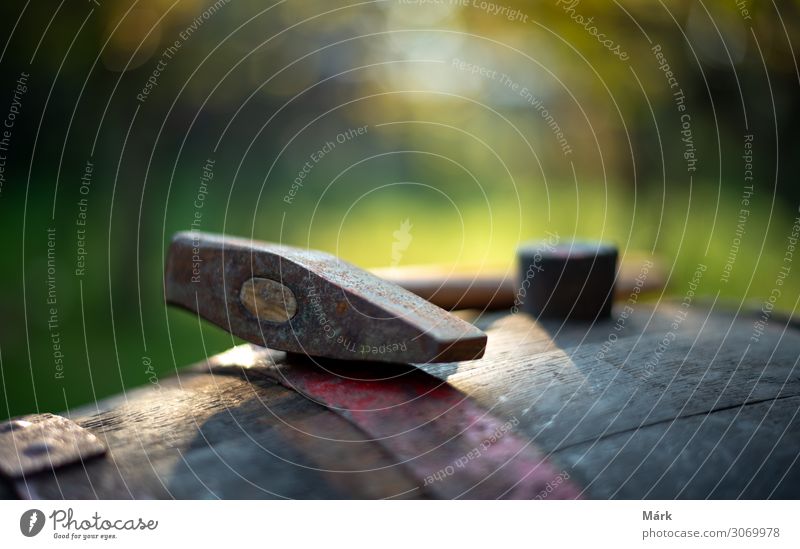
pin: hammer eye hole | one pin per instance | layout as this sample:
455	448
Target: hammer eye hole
268	300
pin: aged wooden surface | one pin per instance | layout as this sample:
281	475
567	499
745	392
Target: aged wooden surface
224	436
715	415
712	412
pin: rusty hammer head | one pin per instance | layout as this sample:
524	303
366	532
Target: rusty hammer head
310	302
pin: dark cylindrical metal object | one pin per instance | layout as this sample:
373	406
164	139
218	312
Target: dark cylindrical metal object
570	281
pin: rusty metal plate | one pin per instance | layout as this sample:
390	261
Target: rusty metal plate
333	308
40	442
454	448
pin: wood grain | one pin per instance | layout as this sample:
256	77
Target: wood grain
714	414
208	436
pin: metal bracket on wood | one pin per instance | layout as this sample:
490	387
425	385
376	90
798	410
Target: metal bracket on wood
43	442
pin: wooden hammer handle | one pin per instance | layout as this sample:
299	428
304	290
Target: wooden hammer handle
496	289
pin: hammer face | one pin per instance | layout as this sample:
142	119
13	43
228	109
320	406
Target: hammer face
309	302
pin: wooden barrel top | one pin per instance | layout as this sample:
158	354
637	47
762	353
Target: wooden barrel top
661	401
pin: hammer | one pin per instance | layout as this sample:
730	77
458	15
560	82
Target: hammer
313	303
310	302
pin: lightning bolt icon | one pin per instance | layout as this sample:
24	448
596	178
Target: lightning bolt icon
34	519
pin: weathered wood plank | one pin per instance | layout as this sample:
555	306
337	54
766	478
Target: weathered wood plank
570	393
604	409
223	436
584	400
748	452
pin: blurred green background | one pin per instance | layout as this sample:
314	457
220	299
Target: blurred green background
462	105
